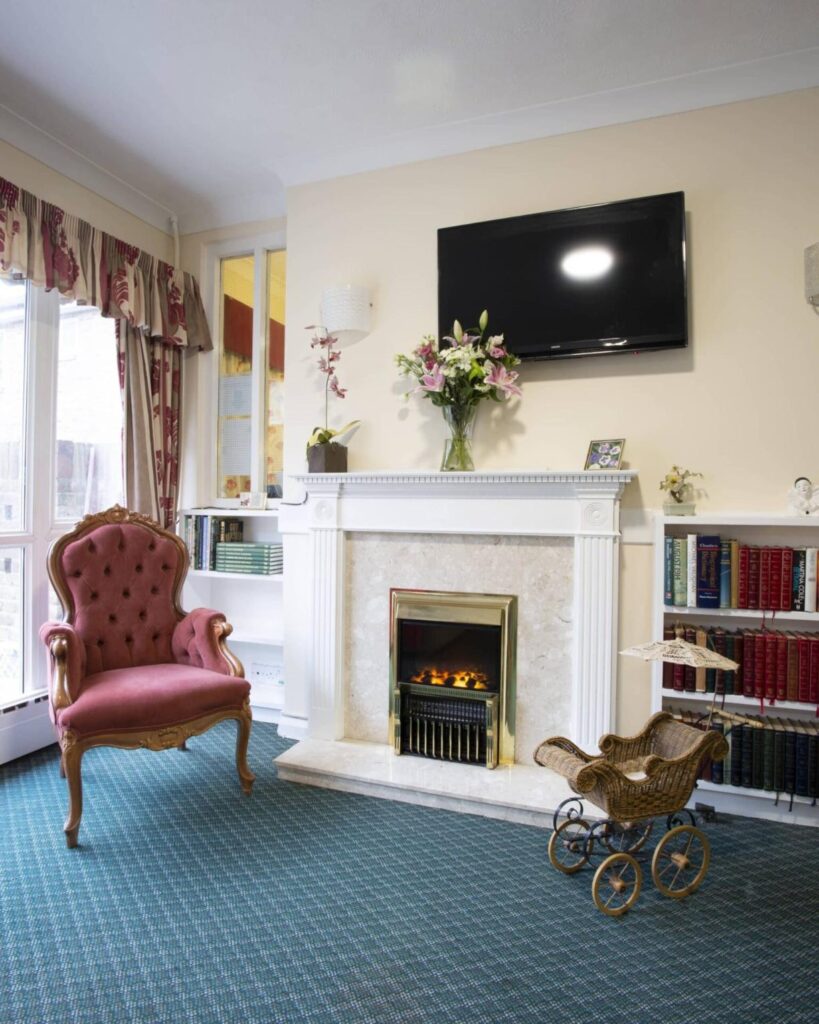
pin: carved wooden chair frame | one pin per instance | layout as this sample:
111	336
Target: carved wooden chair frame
73	746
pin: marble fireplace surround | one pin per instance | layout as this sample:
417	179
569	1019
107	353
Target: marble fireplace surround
550	537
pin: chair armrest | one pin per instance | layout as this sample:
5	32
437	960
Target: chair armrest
568	760
67	661
199	639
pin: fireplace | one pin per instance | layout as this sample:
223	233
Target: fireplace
452	667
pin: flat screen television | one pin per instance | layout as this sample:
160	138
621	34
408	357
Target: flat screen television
594	280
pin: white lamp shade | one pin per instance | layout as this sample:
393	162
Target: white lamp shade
346	308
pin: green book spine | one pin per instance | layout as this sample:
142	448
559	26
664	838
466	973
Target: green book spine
680	572
736	754
779	761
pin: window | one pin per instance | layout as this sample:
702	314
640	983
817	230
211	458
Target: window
88	452
250	418
60	456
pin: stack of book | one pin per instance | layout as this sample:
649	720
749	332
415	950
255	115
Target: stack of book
708	571
202	533
780	757
773	664
252	558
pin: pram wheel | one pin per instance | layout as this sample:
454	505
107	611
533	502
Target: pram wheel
568	847
617	883
681	861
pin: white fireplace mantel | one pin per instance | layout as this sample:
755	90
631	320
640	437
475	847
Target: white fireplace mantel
582	505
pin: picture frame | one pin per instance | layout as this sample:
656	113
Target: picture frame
606	454
252	499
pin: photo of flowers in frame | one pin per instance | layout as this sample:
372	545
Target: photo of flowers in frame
605	454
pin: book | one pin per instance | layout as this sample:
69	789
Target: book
737	736
775	584
743	576
691	571
717	766
725	574
748	666
668	571
699	673
798	588
813	669
680	563
768	759
771	658
757	757
734	545
753	578
792	689
760	667
803	680
781	688
764	578
668	668
810	579
786	582
729	679
718	643
690	677
708	580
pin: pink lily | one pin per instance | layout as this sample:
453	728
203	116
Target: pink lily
502	380
434	380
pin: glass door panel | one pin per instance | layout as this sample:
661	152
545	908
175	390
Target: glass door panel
235	377
88	454
12	405
274	370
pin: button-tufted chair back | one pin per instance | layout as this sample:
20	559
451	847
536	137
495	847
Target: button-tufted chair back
119	583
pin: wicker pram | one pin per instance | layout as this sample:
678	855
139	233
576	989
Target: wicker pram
633	779
640	776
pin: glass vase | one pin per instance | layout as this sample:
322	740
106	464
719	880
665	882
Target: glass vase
458	447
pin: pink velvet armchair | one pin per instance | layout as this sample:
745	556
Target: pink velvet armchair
129	667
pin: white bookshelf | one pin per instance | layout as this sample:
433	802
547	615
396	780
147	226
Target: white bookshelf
773	530
252	604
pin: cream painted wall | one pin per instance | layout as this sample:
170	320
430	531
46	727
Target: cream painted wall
737	405
48	184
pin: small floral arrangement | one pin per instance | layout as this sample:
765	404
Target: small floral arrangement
328	358
678	483
469	368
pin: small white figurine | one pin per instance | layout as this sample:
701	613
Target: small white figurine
802	497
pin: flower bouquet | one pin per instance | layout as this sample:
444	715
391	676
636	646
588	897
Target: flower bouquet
677	482
469	368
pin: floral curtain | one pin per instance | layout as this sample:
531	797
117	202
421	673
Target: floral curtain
53	249
159	313
150	376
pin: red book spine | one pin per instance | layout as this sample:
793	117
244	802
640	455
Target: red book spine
742	585
813	678
781	666
668	668
771	665
678	679
786	592
793	667
759	664
804	667
753	578
775	586
764	578
718	641
748	667
690	677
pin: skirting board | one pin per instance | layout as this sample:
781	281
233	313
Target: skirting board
24	730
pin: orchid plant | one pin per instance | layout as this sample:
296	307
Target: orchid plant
328	357
678	483
469	368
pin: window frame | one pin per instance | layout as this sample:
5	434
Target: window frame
40	526
257	246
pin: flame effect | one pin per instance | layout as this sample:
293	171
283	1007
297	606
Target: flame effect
464	679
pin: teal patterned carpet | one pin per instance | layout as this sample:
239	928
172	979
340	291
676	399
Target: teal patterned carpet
188	903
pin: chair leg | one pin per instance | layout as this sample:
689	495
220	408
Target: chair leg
71	760
182	746
246	776
62	767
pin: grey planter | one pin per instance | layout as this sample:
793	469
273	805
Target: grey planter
327	458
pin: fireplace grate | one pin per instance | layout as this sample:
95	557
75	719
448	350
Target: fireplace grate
446	728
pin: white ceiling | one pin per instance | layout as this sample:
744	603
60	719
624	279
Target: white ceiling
209	108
